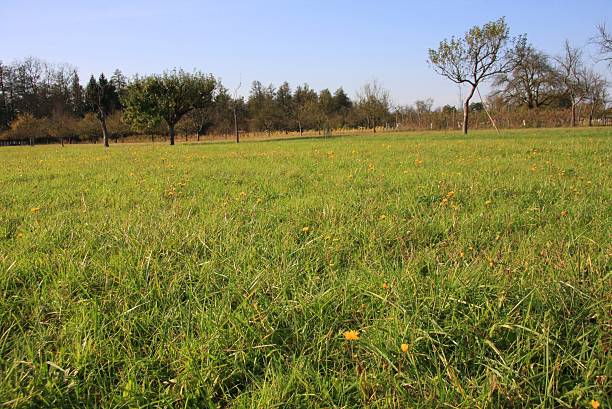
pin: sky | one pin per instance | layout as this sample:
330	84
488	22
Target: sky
327	44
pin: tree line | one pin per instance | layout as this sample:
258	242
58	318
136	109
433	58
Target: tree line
43	101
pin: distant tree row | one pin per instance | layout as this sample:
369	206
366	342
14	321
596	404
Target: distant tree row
521	75
39	100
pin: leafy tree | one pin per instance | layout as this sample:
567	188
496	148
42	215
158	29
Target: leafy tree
102	99
482	53
120	82
262	107
167	97
285	107
342	106
78	106
306	106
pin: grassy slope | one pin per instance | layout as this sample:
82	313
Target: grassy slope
185	276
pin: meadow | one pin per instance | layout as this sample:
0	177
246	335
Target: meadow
388	270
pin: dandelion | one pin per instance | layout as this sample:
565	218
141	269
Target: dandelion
404	348
450	194
385	286
19	235
418	162
243	194
564	213
35	209
305	229
595	404
351	335
382	217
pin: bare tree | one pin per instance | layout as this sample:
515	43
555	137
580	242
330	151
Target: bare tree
531	83
572	74
603	39
373	102
596	92
482	53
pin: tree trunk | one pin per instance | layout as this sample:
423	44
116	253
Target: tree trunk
591	112
104	131
198	135
171	129
236	125
301	130
466	110
573	119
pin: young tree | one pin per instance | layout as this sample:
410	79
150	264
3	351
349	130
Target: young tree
483	52
572	74
102	99
167	97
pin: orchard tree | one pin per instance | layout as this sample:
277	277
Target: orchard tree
573	77
373	103
604	41
482	53
102	99
167	97
531	83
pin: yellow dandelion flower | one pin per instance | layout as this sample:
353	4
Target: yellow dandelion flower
19	235
305	229
382	217
450	194
595	404
35	209
351	335
404	348
564	213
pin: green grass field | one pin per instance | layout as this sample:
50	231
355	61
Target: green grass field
223	275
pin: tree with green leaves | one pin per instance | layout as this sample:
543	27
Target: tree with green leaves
167	97
481	54
102	99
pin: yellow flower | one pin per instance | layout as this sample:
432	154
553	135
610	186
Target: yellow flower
564	213
351	335
595	404
450	194
305	229
404	348
19	235
382	217
385	286
35	209
418	162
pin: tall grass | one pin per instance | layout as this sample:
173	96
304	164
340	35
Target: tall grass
222	275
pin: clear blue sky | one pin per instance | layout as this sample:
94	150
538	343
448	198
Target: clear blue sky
325	43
